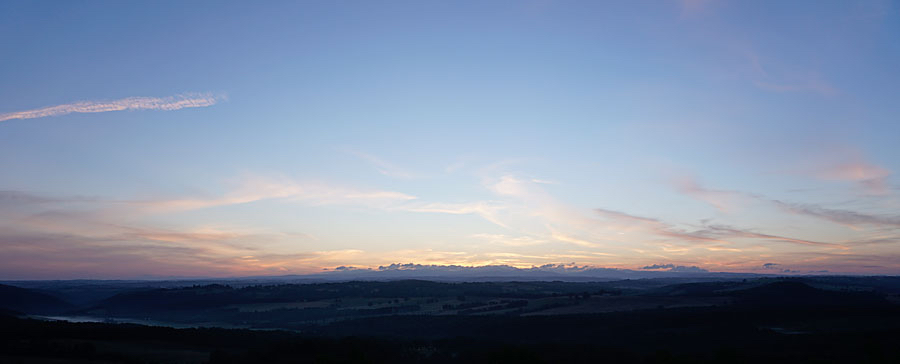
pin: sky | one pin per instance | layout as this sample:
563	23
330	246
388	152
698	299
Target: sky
224	138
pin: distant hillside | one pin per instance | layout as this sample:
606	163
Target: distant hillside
298	306
783	293
792	293
216	295
27	301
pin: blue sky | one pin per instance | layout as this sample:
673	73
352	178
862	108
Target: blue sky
233	138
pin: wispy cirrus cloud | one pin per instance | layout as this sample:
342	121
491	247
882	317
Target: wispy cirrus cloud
257	188
66	243
718	235
728	231
489	210
11	198
506	240
722	200
142	252
844	163
248	189
810	83
524	207
382	166
848	218
725	200
169	103
559	236
659	228
535	213
872	178
770	76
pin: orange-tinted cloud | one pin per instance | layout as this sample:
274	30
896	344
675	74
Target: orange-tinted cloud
256	188
722	200
872	178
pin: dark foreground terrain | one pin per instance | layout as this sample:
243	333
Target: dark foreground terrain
797	320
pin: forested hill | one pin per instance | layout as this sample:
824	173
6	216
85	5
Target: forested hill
30	301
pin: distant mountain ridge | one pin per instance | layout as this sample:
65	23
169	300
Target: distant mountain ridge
453	273
504	272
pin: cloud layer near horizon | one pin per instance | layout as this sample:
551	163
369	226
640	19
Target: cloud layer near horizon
169	103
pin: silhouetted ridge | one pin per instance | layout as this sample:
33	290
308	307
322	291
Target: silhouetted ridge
792	293
28	301
197	297
702	289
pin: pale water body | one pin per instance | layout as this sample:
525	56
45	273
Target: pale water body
146	322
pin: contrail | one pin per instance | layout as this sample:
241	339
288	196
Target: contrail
132	103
